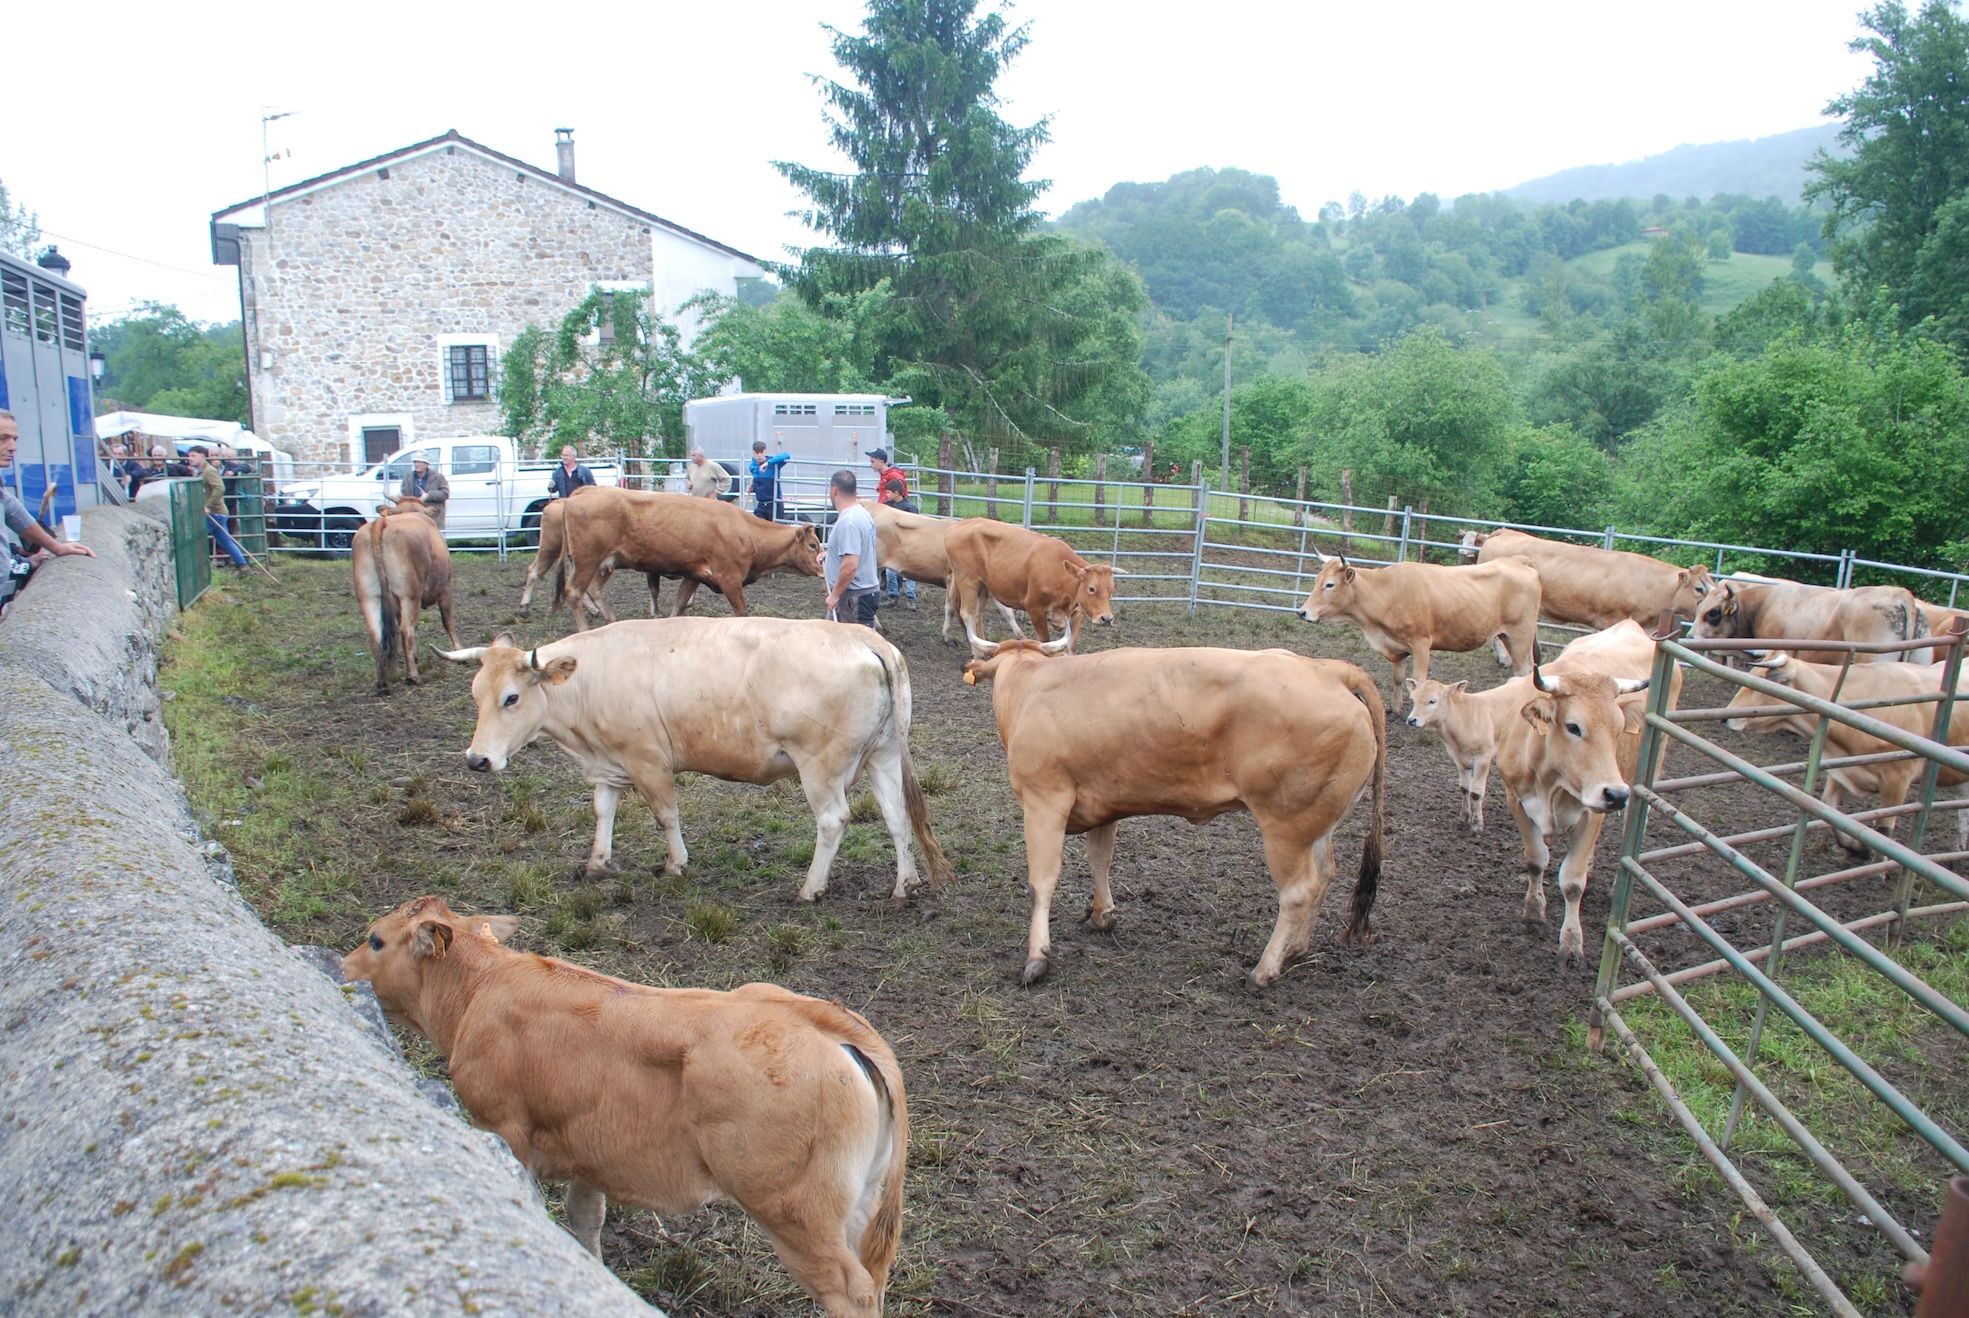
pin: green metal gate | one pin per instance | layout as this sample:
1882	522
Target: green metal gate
191	543
1902	869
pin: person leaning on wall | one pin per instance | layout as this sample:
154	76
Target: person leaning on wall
21	522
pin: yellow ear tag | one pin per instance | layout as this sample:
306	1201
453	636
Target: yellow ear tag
970	679
485	930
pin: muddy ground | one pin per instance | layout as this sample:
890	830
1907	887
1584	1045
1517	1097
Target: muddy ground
1414	1127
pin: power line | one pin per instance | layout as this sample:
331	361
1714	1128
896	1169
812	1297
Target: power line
143	260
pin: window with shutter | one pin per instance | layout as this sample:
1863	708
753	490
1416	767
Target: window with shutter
468	372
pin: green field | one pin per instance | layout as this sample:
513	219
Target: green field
1725	284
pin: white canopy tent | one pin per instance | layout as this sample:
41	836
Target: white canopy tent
194	430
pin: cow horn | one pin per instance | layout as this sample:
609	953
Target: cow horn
469	656
1627	686
1343	558
1538	678
533	659
983	649
1057	644
1766	658
1320	556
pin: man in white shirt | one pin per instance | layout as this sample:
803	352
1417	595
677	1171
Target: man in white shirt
706	479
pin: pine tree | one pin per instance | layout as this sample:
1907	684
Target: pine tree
986	319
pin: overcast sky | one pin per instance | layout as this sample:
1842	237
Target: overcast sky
142	119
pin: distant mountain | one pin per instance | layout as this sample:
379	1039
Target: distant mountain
1763	167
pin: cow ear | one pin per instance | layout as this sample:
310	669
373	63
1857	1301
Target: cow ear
1460	687
498	927
558	671
1541	714
1079	571
1409	685
1632	716
430	939
1349	573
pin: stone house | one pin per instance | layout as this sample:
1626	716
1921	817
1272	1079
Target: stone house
376	298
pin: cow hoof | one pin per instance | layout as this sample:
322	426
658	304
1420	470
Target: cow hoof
1034	972
1257	982
413	681
811	897
1101	920
382	689
593	871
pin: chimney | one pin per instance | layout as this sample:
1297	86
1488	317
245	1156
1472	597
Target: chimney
564	152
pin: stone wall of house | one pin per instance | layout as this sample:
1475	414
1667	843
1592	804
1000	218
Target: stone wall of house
358	281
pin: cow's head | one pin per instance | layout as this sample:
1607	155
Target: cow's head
1469	543
1579	719
1777	667
1093	591
798	551
987	659
1720	614
1429	701
1692	585
402	946
510	690
1333	589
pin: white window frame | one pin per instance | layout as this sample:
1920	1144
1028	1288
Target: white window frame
405	423
490	342
593	338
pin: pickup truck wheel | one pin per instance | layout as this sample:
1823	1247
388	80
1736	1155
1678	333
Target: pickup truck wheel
340	533
530	526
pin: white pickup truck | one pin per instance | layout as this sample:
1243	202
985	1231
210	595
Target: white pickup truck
493	493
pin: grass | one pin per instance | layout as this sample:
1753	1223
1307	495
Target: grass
1725	284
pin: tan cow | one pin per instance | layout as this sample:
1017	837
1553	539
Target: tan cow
1566	761
551	559
1782	610
1585	586
1939	620
1891	782
748	700
1472	724
703	541
913	544
1023	569
1091	740
401	568
790	1107
1410	610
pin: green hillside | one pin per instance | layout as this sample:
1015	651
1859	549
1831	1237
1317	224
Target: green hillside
1761	167
1725	284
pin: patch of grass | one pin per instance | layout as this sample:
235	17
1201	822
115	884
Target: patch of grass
862	809
935	778
711	921
784	945
419	810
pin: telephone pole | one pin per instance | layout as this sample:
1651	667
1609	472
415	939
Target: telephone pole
1224	474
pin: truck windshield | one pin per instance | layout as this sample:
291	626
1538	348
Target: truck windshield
399	466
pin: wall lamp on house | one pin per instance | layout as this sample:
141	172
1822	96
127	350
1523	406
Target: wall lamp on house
98	364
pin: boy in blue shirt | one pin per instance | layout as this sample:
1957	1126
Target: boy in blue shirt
764	472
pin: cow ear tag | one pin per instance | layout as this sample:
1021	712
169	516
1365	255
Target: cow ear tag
970	679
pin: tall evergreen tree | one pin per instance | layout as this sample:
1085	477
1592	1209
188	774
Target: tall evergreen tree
985	318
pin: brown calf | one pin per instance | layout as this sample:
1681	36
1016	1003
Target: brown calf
790	1107
1091	740
401	568
1023	569
703	541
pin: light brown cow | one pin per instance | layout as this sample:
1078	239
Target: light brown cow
1023	569
1889	782
913	544
790	1107
1410	610
1472	724
749	700
703	541
1585	586
401	568
552	559
1566	761
1782	610
1939	620
1094	739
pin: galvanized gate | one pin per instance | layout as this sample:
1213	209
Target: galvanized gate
191	552
1630	969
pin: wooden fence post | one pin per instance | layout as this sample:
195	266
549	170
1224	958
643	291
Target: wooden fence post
1422	532
1388	522
1347	510
946	482
1053	486
1299	495
991	484
1100	487
1244	483
1148	482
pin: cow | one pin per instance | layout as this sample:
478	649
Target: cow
401	568
788	1106
1775	610
1889	782
913	544
1409	610
1472	724
1023	569
1939	621
1091	740
748	700
1566	761
551	558
1585	586
704	541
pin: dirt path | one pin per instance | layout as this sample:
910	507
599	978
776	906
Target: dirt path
1411	1128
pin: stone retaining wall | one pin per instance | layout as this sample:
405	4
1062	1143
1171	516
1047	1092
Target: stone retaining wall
192	1119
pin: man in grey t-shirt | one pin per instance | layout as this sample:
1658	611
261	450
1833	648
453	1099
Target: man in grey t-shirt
33	536
848	564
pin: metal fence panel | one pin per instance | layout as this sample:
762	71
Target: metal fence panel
191	542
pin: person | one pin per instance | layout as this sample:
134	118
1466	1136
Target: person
423	485
207	470
568	477
892	488
848	562
764	472
706	479
14	570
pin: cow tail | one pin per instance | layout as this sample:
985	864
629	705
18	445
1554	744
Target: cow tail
881	1239
1359	929
912	790
1916	629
